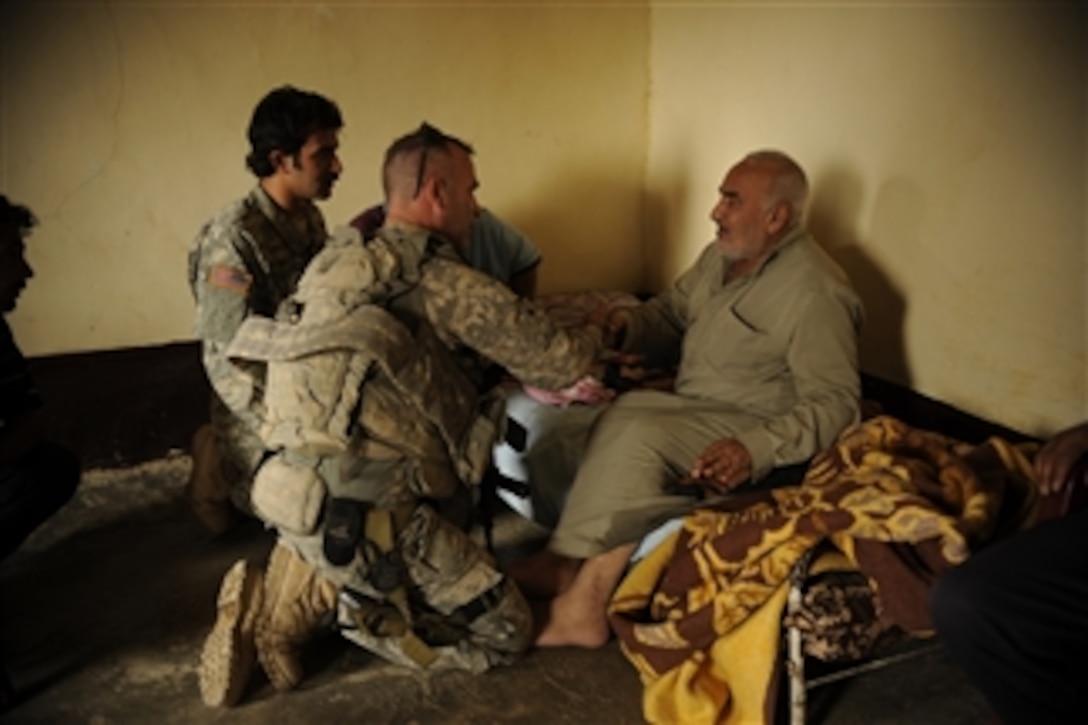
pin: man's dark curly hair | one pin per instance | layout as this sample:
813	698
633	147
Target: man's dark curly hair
283	120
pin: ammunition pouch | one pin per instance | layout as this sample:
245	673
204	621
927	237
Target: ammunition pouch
288	494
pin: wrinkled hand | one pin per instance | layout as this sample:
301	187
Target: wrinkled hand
724	465
626	360
1056	460
603	314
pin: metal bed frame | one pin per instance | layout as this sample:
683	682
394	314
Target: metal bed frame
795	657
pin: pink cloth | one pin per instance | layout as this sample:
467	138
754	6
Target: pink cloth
588	390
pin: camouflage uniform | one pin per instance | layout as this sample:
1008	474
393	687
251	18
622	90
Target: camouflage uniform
373	403
246	260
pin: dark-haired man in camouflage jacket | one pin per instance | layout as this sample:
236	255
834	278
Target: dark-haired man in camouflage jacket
246	260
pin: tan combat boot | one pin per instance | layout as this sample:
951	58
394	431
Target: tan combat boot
296	601
208	488
227	659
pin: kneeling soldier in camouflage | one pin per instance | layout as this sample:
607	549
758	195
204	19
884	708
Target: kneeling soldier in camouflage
378	426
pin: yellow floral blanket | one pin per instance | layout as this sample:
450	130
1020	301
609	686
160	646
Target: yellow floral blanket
700	617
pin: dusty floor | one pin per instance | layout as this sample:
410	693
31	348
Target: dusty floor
104	610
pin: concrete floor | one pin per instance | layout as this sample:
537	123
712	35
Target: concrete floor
105	608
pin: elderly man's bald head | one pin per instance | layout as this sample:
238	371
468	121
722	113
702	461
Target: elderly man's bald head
788	183
761	201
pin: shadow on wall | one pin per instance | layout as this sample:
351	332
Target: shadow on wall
593	230
833	217
660	244
672	239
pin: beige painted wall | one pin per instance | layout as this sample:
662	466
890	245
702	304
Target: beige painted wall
123	127
946	146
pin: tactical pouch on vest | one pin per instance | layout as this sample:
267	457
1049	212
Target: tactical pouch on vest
385	567
343	529
288	494
357	526
486	428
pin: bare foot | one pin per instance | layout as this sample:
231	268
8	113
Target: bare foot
567	622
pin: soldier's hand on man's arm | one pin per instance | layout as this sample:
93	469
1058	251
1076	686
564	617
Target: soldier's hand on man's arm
613	323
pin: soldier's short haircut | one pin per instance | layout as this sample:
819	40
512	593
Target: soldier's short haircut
16	215
283	120
412	149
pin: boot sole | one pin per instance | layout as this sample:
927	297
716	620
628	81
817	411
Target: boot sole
229	654
282	676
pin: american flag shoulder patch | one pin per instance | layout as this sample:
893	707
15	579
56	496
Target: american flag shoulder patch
231	279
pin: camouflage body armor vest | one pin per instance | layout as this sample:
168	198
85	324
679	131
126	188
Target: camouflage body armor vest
357	405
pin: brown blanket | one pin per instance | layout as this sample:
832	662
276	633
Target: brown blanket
700	617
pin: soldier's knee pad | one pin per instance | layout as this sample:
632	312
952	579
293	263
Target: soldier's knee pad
448	567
